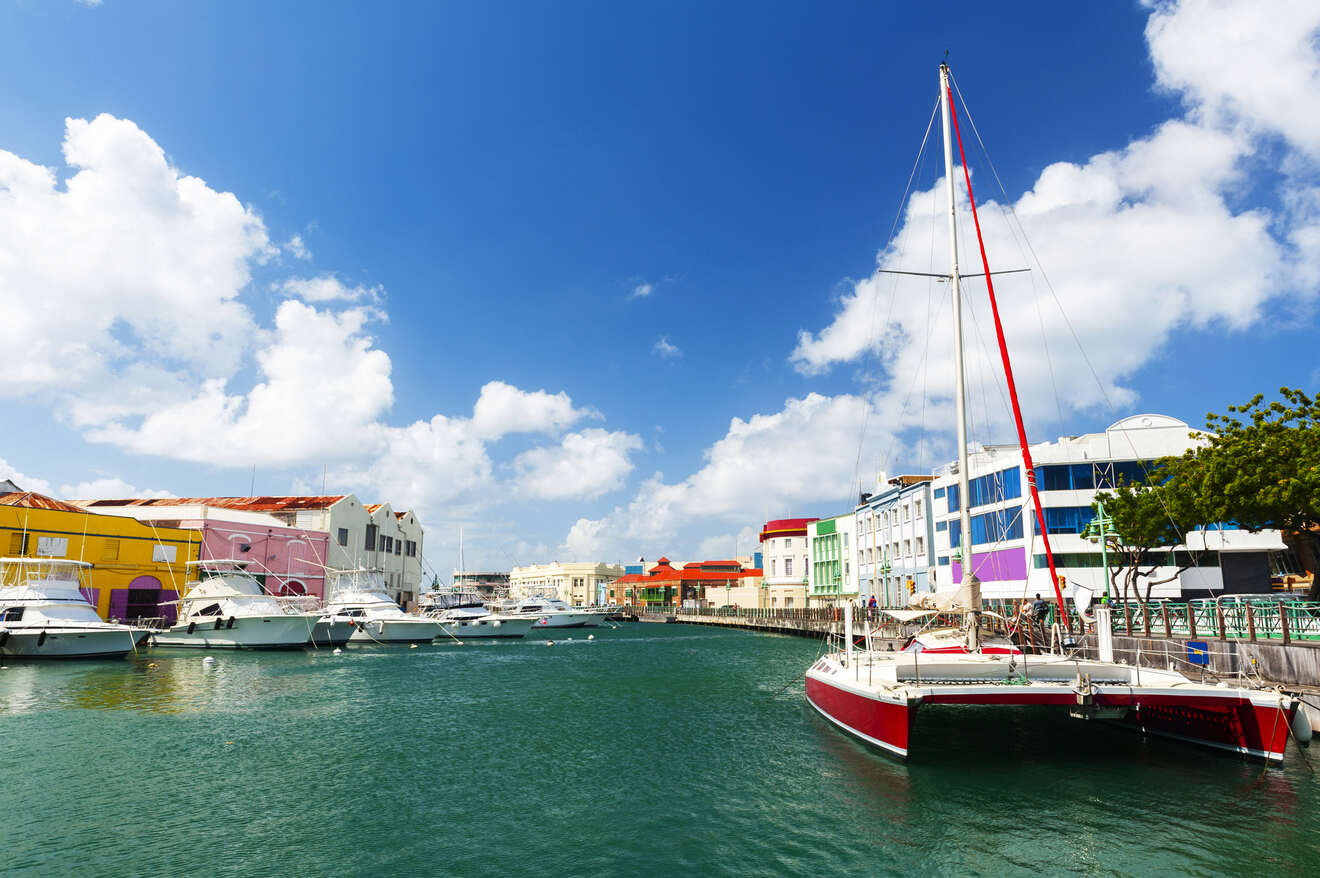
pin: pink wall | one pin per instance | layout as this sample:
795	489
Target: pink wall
286	555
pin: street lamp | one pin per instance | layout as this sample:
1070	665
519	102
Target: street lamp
1099	530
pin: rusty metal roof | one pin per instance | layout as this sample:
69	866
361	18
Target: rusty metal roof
37	501
250	504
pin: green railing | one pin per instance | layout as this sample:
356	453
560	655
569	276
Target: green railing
1243	618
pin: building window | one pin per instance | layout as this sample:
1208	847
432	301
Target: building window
788	566
398	547
18	544
110	551
921	545
343	536
916	508
389	544
370	542
774	562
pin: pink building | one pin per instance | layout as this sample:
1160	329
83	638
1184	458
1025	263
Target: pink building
288	560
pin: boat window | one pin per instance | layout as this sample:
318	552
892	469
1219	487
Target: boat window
13	614
209	610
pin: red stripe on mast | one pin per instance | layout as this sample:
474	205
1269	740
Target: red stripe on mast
1012	387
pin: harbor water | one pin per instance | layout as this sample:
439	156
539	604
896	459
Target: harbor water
650	750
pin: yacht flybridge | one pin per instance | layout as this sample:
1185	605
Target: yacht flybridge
875	695
44	613
361	595
225	607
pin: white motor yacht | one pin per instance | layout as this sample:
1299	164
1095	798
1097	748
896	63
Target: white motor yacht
551	613
44	614
463	615
361	595
225	607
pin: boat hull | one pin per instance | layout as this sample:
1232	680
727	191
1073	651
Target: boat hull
67	643
247	632
395	631
486	628
1253	723
329	633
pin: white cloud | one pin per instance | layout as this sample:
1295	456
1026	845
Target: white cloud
111	488
22	480
723	546
322	387
1249	63
664	349
503	409
297	248
113	267
806	453
641	291
584	465
328	288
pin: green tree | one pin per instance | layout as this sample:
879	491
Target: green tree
1257	466
1261	469
1148	520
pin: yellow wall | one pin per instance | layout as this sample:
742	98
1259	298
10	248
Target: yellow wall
119	549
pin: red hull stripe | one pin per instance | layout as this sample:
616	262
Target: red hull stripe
877	722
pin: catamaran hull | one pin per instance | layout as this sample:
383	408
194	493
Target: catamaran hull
1253	723
66	643
395	631
246	632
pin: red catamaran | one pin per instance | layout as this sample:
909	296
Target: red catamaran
875	695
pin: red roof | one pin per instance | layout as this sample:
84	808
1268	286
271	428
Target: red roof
251	504
786	527
34	500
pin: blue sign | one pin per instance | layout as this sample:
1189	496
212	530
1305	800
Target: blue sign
1198	652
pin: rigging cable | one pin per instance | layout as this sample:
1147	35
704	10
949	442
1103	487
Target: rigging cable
916	165
1008	376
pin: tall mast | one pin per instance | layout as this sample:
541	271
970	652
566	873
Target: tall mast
960	396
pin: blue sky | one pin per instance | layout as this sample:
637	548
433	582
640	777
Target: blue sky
544	270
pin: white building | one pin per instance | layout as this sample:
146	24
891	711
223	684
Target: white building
578	583
832	574
895	540
786	562
1008	553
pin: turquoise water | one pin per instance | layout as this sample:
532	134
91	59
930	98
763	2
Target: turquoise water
651	750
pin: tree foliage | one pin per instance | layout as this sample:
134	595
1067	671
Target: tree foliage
1146	518
1257	466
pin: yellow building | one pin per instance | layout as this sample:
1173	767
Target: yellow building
137	569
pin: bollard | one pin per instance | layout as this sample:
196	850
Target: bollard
1223	630
1251	624
1283	624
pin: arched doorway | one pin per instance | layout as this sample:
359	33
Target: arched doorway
141	600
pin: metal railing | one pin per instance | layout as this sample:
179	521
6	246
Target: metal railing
1237	617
